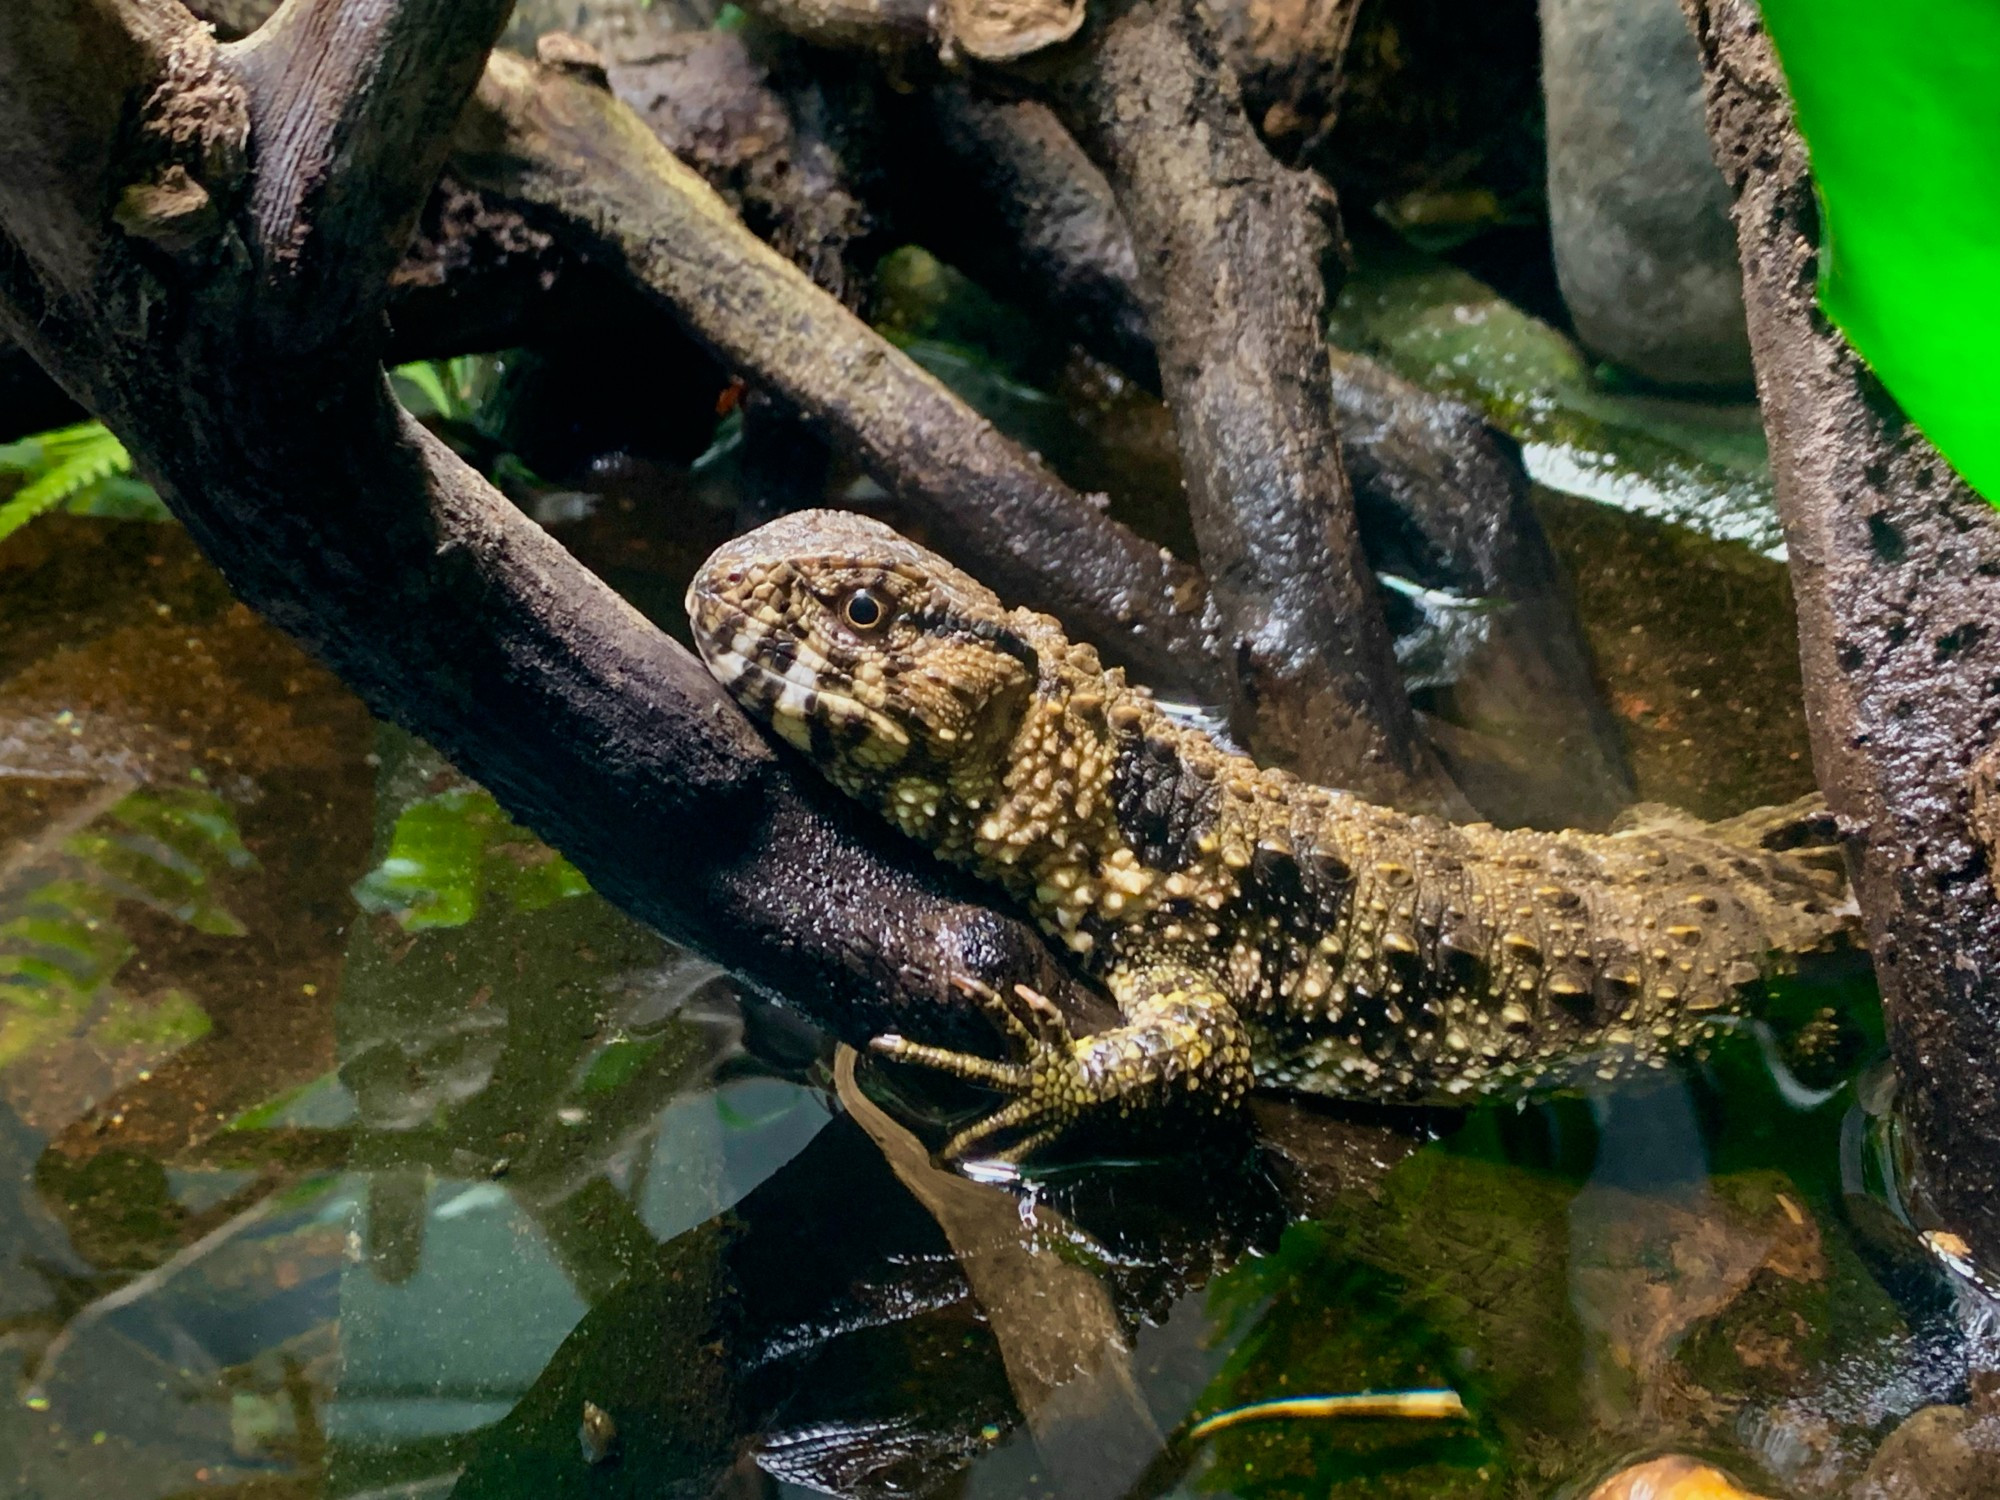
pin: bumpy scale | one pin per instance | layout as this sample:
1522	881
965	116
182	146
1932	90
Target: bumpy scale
1250	926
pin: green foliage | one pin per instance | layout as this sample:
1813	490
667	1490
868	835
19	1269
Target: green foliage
62	944
82	469
448	390
85	471
1896	104
451	853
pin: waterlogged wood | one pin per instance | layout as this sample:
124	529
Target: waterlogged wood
1061	1340
1896	567
552	142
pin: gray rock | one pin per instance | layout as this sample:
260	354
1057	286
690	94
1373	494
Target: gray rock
1644	248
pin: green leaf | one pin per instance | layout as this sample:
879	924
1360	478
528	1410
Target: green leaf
60	467
1896	103
449	853
427	394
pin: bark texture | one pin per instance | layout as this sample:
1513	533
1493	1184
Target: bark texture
566	149
1896	567
348	525
1234	251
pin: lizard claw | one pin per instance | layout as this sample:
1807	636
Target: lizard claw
1046	1080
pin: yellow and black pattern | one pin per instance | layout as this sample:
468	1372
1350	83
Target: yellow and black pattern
1240	917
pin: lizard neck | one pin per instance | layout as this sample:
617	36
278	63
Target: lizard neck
1042	822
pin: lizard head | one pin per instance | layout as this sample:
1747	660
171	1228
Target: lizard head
903	678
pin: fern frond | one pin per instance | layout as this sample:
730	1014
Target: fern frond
62	465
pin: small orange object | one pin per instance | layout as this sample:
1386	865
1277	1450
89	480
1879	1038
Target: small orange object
1671	1478
731	397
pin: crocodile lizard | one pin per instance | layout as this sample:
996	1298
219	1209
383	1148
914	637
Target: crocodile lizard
1251	927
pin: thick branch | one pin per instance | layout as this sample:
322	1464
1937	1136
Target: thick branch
352	103
1441	499
1000	189
59	143
457	617
1233	250
886	26
557	145
715	104
1896	567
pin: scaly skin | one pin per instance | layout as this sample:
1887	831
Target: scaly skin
1251	927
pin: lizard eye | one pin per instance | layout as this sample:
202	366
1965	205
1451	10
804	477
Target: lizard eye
864	609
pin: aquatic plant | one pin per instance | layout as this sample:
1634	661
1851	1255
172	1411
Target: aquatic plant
64	944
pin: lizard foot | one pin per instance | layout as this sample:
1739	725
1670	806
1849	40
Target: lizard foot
1048	1080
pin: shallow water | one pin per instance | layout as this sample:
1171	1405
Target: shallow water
350	1146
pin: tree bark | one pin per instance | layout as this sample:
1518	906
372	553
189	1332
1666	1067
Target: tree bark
1233	252
568	151
1896	567
355	530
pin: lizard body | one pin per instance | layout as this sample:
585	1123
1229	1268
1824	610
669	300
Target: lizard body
1250	926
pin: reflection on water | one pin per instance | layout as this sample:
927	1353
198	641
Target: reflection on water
349	1146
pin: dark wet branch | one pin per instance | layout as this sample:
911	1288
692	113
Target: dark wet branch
1441	498
1001	190
569	152
773	129
1895	564
1233	252
340	519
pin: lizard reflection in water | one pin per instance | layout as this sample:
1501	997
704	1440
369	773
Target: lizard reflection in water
1251	927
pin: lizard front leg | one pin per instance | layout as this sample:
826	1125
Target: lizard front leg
1181	1043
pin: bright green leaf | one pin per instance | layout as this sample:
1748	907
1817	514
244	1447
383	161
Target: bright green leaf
81	469
448	853
1900	107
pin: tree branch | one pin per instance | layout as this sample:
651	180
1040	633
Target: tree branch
352	103
453	614
1896	567
569	152
1233	252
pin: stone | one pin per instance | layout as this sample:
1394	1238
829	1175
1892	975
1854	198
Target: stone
1939	1453
1645	252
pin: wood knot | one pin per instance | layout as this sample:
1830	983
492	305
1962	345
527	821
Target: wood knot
171	210
560	52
